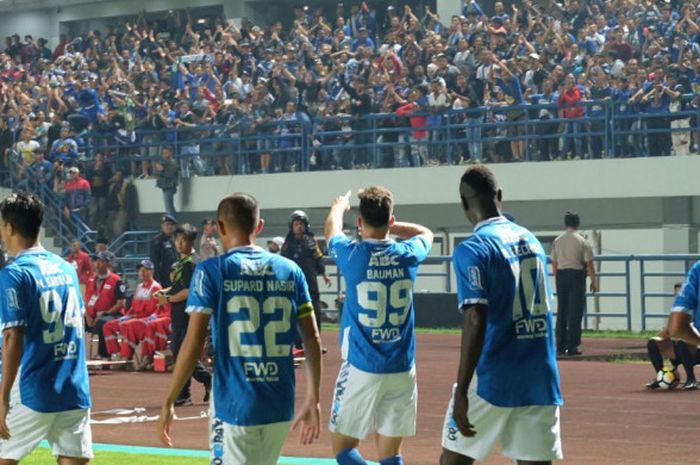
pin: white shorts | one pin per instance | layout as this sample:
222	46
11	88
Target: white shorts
68	432
524	433
364	402
246	445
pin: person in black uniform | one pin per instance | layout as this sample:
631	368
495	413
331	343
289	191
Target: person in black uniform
301	247
176	296
163	252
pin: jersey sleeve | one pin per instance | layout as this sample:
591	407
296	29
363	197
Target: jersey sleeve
470	269
302	297
13	311
339	247
204	293
416	249
687	300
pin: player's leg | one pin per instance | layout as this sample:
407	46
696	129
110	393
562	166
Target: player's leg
352	414
532	435
27	428
686	355
489	422
70	437
396	414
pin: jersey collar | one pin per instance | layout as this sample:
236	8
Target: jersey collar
378	241
240	248
489	221
35	249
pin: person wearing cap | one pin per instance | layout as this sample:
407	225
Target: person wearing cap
275	244
176	295
105	297
78	195
209	245
163	251
132	326
302	248
82	263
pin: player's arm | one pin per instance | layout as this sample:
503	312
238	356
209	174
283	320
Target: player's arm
409	230
334	221
310	414
473	332
678	324
187	358
12	348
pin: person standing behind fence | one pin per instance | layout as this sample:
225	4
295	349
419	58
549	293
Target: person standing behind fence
572	111
572	259
167	179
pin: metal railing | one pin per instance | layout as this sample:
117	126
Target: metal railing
608	129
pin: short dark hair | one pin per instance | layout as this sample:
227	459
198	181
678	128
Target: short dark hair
24	212
572	220
187	230
677	286
376	205
239	211
481	180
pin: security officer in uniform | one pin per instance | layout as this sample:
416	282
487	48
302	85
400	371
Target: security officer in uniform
163	252
301	247
105	297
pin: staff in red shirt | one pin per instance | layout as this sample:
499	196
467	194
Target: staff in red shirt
104	298
82	263
419	149
132	326
572	111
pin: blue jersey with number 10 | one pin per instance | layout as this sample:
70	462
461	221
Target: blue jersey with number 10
39	291
255	299
503	266
376	330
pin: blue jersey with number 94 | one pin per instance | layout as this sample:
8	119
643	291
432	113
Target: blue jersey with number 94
39	291
377	334
503	266
255	299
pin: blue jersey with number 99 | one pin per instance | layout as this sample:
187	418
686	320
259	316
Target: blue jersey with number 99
39	291
255	299
377	334
503	266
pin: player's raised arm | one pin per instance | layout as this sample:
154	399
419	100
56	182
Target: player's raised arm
334	221
309	416
187	358
409	230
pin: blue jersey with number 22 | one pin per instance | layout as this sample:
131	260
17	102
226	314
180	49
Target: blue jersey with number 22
39	291
503	266
255	299
377	334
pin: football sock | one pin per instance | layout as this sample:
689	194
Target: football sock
655	357
350	457
395	460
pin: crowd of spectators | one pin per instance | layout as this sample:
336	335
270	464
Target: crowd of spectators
126	94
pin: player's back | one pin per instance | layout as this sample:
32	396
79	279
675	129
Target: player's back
377	326
41	293
256	299
503	266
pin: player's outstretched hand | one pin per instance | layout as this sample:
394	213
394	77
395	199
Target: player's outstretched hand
343	201
309	418
4	430
460	415
164	421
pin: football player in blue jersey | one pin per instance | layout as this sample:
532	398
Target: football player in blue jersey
44	393
255	301
684	320
376	387
507	388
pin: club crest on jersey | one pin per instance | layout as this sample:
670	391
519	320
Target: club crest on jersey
11	297
256	268
474	278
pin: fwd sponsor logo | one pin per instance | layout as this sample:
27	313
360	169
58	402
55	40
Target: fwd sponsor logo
260	369
531	328
65	350
386	334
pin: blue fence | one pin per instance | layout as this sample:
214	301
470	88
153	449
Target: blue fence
609	129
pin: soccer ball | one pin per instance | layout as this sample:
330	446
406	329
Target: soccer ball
667	378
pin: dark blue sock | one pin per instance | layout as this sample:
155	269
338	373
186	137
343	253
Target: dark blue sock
350	457
395	460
